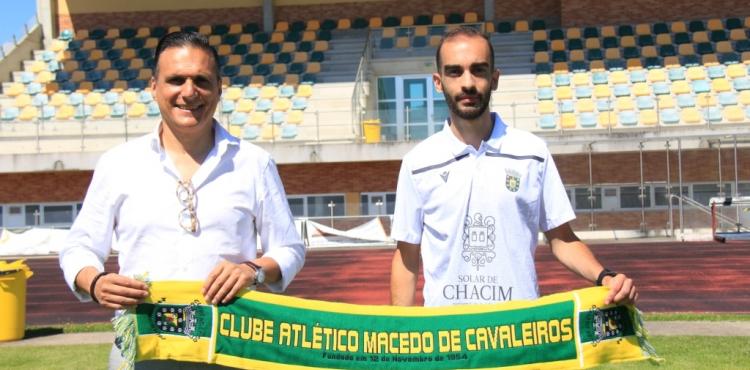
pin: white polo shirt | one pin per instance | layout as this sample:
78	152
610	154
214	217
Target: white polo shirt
477	213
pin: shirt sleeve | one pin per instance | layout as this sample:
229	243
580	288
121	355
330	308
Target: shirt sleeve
279	238
555	207
89	241
408	215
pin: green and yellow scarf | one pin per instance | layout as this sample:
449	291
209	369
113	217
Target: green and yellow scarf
261	331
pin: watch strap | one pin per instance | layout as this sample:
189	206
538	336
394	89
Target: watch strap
256	268
606	272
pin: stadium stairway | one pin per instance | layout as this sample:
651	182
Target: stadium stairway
512	53
342	57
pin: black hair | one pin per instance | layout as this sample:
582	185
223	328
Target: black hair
464	31
185	39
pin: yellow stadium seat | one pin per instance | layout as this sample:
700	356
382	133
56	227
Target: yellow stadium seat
36	66
624	103
235	130
438	19
320	45
28	113
120	44
648	117
543	80
22	100
268	92
573	33
129	97
245	105
309	36
257	80
607	119
44	76
173	29
602	91
77	76
745	56
541	57
92	98
14	89
299	57
546	107
690	116
584	105
277	37
267	58
737	34
618	77
489	27
136	110
734	114
700	36
407	20
402	42
278	69
313	67
232	93
520	26
593	43
304	91
678	26
696	73
313	25
560	67
557	45
58	99
246	39
608	31
294	117
627	41
224	50
269	132
435	40
706	100
720	85
101	111
641	89
88	45
744	97
581	79
612	54
256	48
234	29
634	63
421	31
143	32
663	39
714	24
643	29
51	87
65	112
103	65
649	51
665	101
576	56
376	22
539	35
281	104
112	33
344	24
282	26
471	17
568	121
672	61
58	45
96	54
563	93
214	40
709	59
389	32
686	49
257	118
128	53
656	75
681	87
724	47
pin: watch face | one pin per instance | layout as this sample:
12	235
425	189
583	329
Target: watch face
260	276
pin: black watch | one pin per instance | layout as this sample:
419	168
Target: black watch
260	275
603	274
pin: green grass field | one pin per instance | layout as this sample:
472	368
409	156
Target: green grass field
680	352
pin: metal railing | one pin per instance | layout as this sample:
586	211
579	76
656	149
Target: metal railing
28	27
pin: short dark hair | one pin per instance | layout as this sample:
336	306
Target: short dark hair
185	39
464	31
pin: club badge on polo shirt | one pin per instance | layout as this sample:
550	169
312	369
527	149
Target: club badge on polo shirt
512	180
479	240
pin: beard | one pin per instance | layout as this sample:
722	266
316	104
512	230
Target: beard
468	113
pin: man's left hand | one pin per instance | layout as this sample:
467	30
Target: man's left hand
226	280
621	290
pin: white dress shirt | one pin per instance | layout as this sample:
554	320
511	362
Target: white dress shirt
132	203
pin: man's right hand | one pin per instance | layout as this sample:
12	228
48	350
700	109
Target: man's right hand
404	271
112	290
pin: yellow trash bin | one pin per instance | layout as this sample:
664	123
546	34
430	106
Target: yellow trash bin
13	299
372	131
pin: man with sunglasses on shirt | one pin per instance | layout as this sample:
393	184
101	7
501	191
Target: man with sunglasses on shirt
185	202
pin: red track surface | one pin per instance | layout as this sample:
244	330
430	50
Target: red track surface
696	277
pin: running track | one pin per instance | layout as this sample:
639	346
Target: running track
697	277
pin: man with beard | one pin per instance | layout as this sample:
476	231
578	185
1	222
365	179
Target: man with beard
472	198
188	201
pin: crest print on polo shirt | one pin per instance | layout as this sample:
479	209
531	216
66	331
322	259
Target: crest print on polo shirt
479	240
512	180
